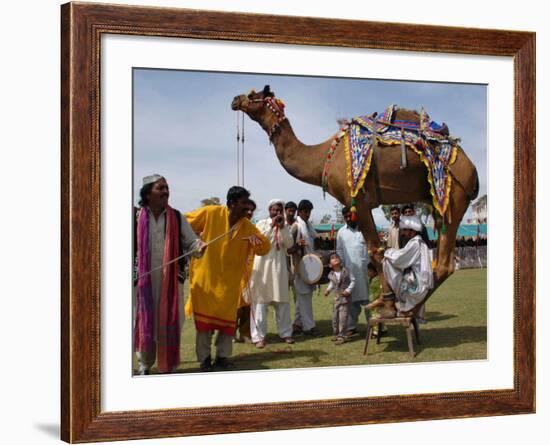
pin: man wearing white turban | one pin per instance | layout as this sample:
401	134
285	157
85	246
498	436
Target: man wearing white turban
269	279
409	270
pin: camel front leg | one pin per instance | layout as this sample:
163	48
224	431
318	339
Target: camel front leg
445	259
438	223
445	265
368	229
446	241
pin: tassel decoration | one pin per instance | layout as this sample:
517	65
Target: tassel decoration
353	209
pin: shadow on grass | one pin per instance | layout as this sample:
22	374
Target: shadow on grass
434	338
438	316
264	359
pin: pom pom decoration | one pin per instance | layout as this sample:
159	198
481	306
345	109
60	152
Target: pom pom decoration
353	209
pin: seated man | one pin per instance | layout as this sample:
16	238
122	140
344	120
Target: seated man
408	270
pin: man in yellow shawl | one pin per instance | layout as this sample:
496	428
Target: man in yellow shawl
216	279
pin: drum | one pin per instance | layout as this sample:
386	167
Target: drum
325	257
310	268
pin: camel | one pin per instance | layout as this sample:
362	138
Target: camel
386	182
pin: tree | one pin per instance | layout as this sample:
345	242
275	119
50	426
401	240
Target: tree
213	201
326	218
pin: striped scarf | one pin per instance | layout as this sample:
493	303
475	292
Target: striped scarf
168	333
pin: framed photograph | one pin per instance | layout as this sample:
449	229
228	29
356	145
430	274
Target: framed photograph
185	135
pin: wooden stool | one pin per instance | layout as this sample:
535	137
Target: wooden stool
409	323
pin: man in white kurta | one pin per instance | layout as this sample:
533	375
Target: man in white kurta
352	249
409	270
304	236
408	210
269	279
393	232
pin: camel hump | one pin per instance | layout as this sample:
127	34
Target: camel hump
400	118
404	114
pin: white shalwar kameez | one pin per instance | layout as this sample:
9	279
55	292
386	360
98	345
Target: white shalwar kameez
303	313
409	272
269	283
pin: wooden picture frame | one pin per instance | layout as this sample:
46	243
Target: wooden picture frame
82	26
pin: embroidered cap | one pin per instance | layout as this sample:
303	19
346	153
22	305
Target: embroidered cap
151	179
410	222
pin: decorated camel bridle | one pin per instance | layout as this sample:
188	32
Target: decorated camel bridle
276	106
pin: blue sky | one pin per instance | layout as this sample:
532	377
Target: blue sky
184	128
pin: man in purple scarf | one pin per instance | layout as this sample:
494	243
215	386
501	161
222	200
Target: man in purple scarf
162	235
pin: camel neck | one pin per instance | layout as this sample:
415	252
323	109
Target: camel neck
304	162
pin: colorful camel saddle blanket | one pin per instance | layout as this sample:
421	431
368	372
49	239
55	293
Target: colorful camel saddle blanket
431	141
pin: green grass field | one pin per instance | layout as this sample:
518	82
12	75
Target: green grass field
456	330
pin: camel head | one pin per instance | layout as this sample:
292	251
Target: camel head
262	107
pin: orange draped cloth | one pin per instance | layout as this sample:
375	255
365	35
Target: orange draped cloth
218	279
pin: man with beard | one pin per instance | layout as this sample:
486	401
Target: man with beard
290	218
409	210
304	236
219	277
409	270
393	231
290	213
162	235
268	285
352	249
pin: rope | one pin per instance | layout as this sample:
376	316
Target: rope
240	149
188	253
238	152
242	142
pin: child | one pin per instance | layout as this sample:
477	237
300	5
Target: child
342	282
375	289
374	282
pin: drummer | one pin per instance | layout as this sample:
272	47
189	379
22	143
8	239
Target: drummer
304	236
